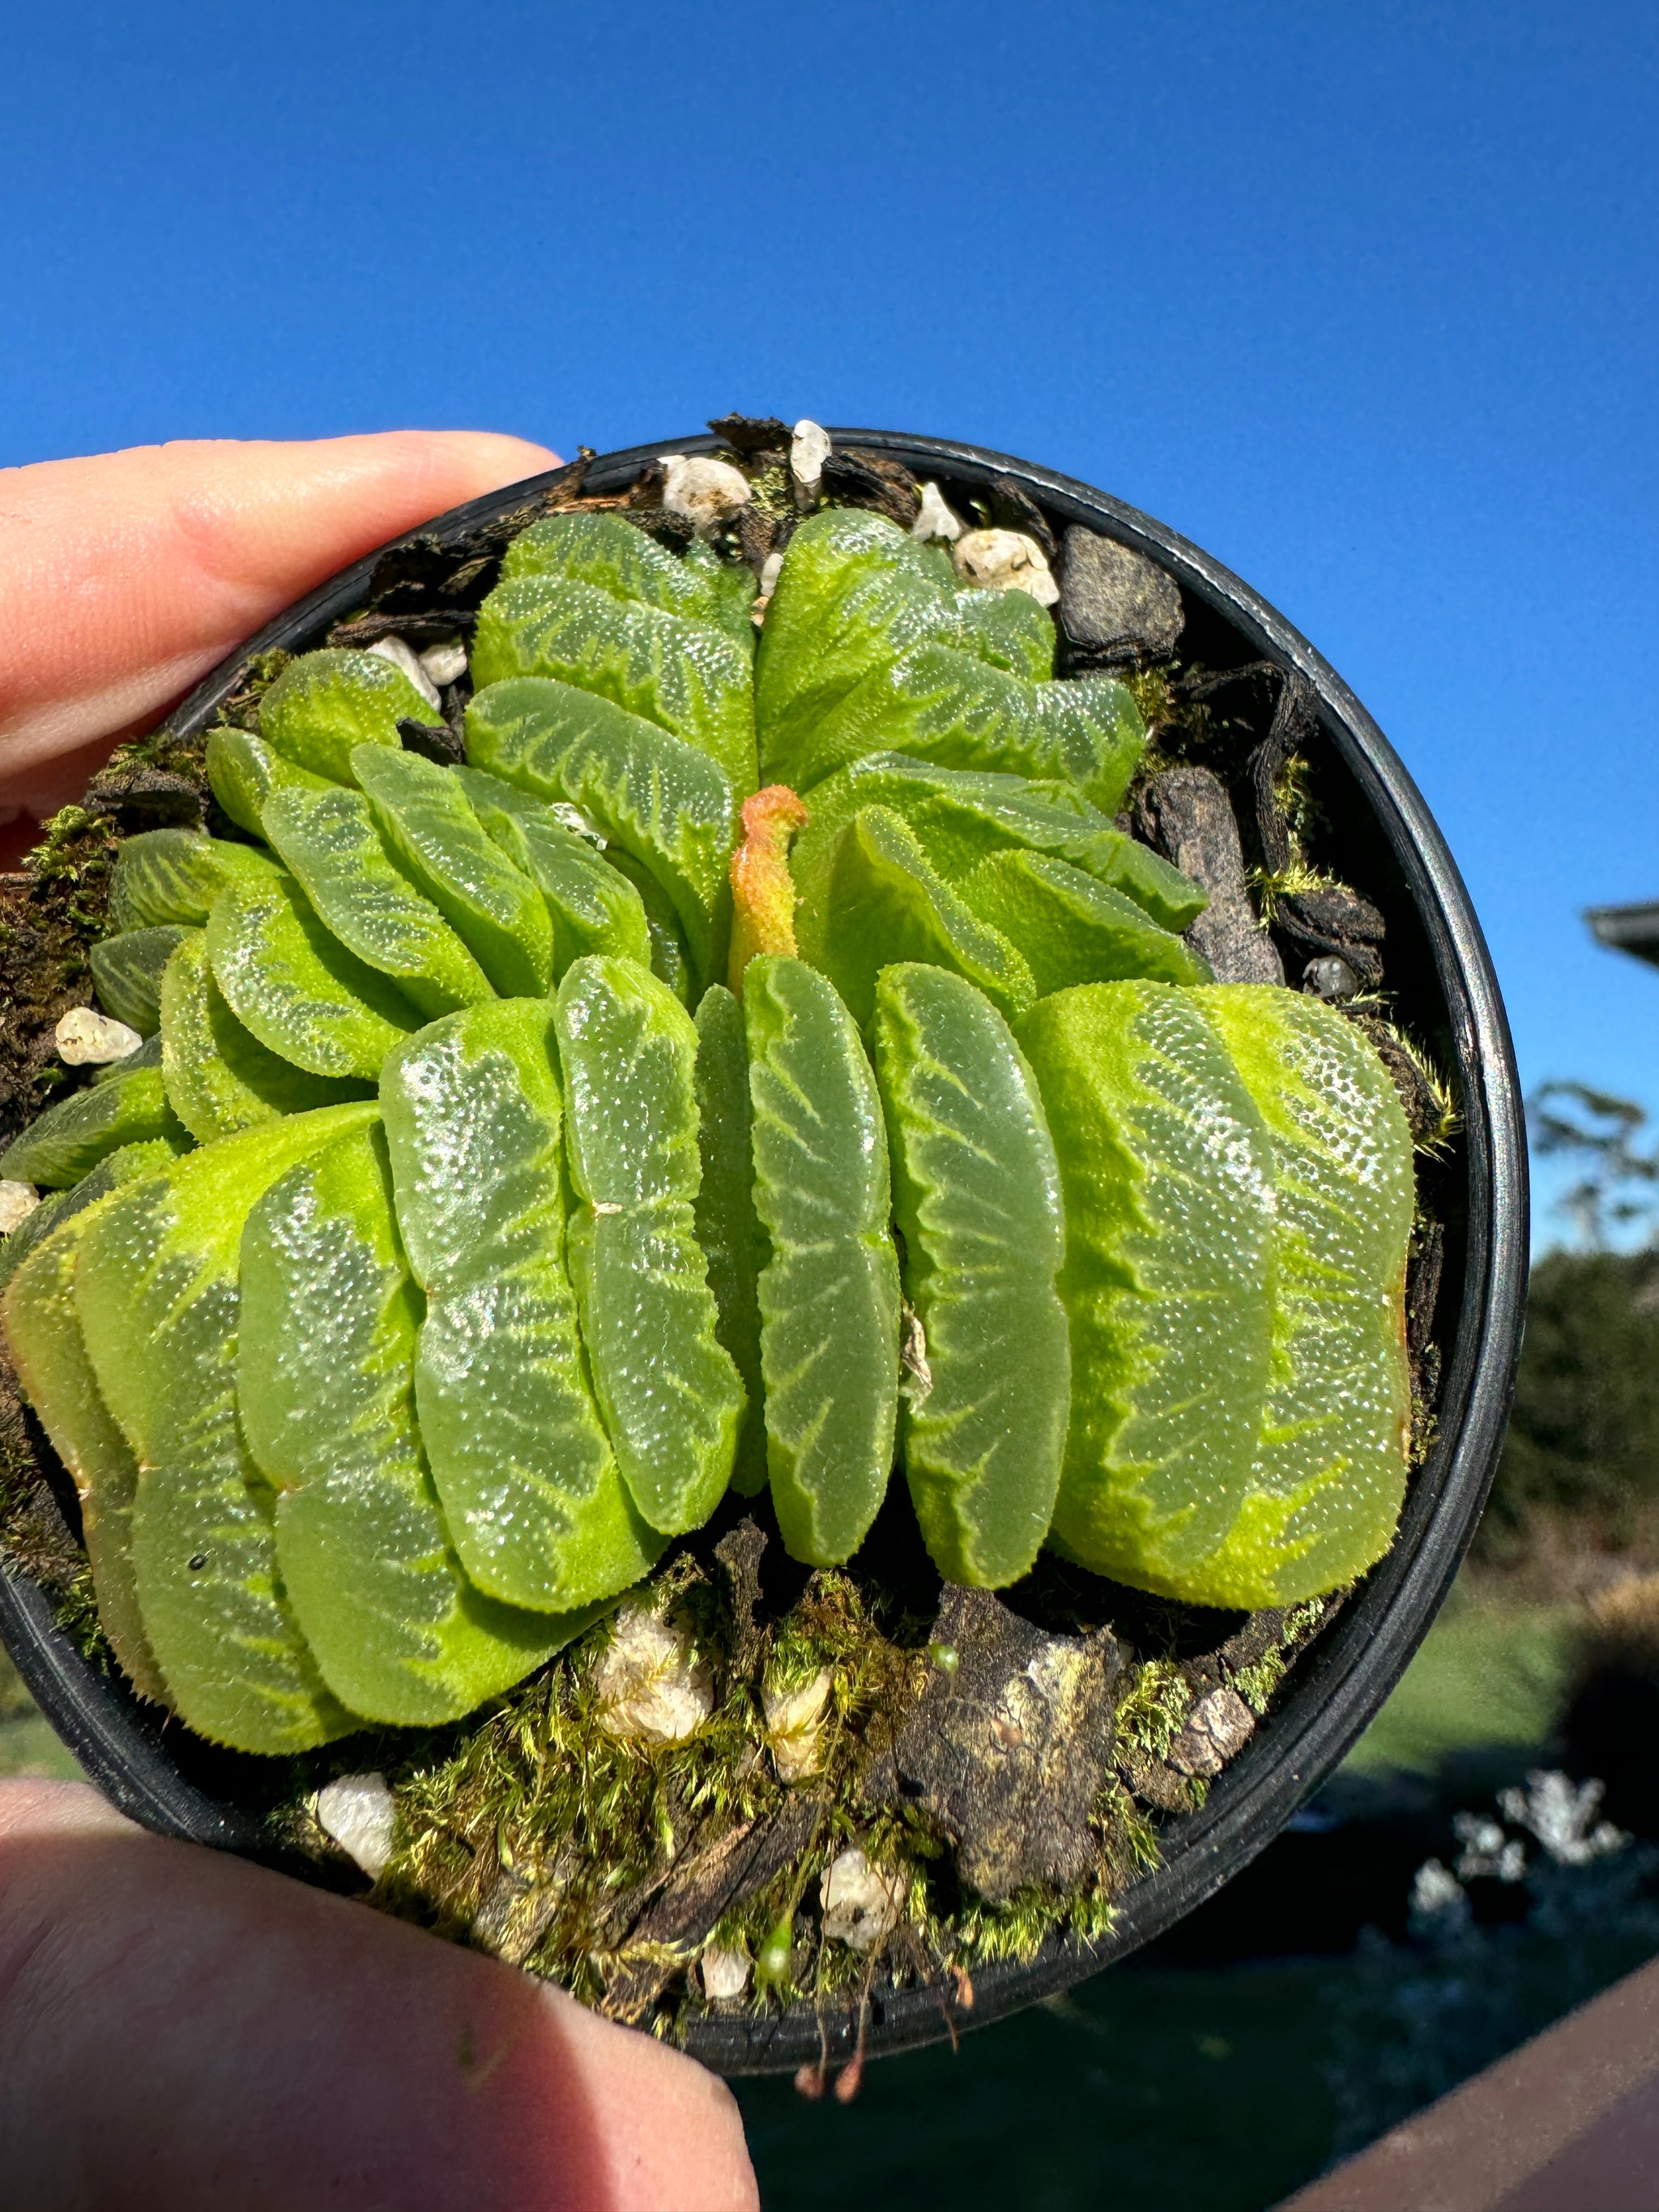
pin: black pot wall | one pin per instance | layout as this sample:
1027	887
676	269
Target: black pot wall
1441	974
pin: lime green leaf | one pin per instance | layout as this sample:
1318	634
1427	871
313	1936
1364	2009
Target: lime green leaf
536	1507
219	1076
963	816
728	1228
495	909
877	900
1069	929
243	772
296	988
1165	1168
611	554
855	591
671	1395
977	1197
326	1388
690	680
43	1333
829	1294
939	704
175	875
113	1169
328	840
70	1138
662	800
1330	1468
156	1292
126	974
324	703
670	962
594	909
1008	630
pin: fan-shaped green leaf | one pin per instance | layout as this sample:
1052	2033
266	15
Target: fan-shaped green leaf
219	1076
689	679
324	703
296	988
728	1230
325	1389
1069	929
338	856
175	876
977	1197
829	1293
594	909
156	1289
1168	1281
1330	1467
243	771
671	1395
660	800
70	1139
535	1504
496	910
126	974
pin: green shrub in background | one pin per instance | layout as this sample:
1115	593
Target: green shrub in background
1583	1439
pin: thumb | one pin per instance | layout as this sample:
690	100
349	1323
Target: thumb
180	2031
124	578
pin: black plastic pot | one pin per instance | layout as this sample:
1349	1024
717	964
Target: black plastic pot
1442	976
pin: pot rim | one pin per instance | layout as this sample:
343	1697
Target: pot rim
1338	1686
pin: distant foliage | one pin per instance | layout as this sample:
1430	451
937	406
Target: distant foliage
1583	1439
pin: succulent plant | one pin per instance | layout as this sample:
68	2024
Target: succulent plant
763	1060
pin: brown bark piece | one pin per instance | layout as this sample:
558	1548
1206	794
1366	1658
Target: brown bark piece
704	1884
1115	601
1010	1750
1191	820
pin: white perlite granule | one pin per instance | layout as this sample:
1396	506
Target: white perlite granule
88	1039
405	658
17	1201
445	662
725	1973
357	1811
1007	561
808	449
795	1726
704	491
934	520
860	1903
651	1685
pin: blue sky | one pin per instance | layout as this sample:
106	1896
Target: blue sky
1362	299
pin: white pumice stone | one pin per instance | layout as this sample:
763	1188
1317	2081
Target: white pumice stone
862	1904
651	1686
1005	561
445	662
704	491
87	1038
771	569
725	1973
795	1726
406	657
17	1201
358	1812
935	521
808	449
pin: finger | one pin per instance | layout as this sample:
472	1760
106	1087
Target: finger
180	2030
124	578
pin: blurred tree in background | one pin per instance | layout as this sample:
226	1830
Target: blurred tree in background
1583	1440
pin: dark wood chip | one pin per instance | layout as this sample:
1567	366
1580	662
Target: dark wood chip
138	797
1009	505
750	435
739	1553
434	741
1008	1750
1186	813
431	627
855	478
760	535
706	1882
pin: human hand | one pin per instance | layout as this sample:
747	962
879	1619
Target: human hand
179	2028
